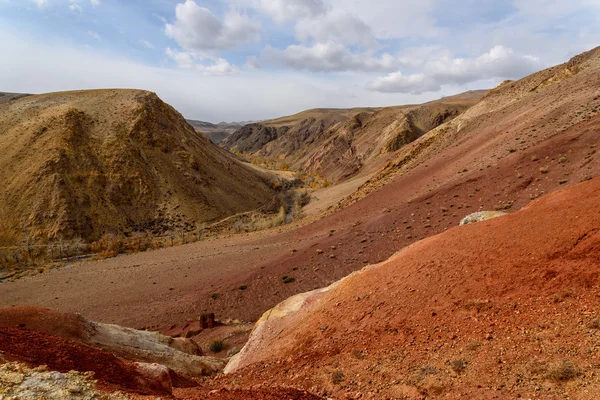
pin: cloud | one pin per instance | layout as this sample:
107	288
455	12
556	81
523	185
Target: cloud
146	44
397	19
284	10
499	62
94	35
336	26
185	60
198	30
40	3
328	57
253	62
74	5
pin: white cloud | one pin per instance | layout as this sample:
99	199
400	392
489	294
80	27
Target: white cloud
336	26
75	7
94	35
146	44
284	10
499	62
253	62
95	2
195	94
40	3
396	19
217	66
197	29
328	57
182	58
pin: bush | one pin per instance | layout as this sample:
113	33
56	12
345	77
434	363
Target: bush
243	287
216	345
337	377
288	279
562	370
458	366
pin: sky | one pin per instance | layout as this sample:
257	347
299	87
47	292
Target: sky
241	60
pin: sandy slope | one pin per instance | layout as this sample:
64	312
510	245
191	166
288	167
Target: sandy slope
88	163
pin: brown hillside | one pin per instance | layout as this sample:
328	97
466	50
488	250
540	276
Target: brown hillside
506	308
339	143
511	119
82	164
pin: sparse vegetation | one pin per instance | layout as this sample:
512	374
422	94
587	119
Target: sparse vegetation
458	365
214	295
216	345
243	287
337	377
562	371
288	279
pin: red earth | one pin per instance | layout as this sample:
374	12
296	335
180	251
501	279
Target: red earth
502	309
36	348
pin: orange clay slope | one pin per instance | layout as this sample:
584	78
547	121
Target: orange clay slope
499	309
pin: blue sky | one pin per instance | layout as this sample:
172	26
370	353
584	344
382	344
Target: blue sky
254	59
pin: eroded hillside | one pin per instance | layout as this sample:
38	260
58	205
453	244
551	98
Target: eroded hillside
338	144
83	164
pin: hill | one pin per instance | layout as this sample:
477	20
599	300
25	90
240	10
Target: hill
87	163
504	308
339	143
215	132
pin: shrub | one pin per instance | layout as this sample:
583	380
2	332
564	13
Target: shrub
458	366
595	324
337	377
243	287
214	296
288	279
562	370
216	345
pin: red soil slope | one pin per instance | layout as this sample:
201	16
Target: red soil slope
506	308
37	348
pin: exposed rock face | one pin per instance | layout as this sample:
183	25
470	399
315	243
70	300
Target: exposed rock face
251	138
19	382
337	144
180	354
83	164
481	216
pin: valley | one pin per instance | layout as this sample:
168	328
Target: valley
372	290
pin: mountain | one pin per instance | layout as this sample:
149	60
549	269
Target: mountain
515	123
339	143
5	96
86	163
215	132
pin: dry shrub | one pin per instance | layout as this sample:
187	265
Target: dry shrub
337	377
108	246
216	345
562	371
